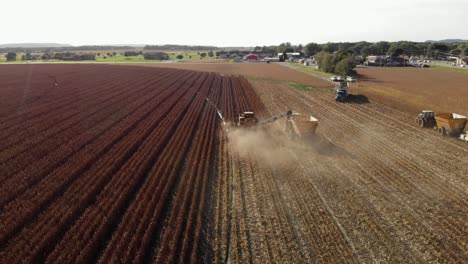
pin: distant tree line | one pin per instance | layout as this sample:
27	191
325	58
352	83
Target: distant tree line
363	48
65	56
179	47
65	49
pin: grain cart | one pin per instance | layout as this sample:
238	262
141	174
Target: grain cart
450	124
426	119
301	128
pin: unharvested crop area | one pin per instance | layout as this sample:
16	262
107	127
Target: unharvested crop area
108	163
113	164
414	89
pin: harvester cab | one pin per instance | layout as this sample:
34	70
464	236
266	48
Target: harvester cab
426	119
342	92
247	119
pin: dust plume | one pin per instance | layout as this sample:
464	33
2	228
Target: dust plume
268	144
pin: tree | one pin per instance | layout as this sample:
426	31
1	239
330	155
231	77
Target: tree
328	47
324	61
395	49
311	49
203	54
180	56
285	47
340	63
345	66
11	56
455	52
210	53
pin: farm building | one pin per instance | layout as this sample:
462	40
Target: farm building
155	56
291	55
250	57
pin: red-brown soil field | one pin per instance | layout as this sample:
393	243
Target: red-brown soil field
415	89
259	70
122	164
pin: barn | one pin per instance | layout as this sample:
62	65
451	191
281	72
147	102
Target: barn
250	57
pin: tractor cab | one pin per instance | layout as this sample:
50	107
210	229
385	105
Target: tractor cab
427	113
247	119
426	119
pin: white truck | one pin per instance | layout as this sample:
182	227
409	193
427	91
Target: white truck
464	137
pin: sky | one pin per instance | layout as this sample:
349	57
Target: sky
230	23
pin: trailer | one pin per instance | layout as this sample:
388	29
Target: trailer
301	128
450	124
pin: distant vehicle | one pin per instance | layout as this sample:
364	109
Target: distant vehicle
464	137
351	79
339	78
334	78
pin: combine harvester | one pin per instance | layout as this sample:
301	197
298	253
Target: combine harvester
296	128
446	123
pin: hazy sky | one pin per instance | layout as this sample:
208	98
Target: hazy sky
230	23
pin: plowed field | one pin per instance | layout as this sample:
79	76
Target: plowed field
259	70
415	89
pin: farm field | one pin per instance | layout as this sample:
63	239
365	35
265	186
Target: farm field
257	70
108	163
376	189
112	163
415	89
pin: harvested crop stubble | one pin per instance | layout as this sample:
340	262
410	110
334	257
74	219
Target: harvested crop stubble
396	206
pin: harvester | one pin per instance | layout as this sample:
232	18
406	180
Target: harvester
247	119
296	127
445	123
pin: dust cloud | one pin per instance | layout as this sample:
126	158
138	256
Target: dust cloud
268	144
